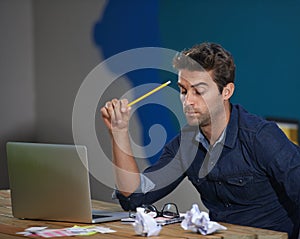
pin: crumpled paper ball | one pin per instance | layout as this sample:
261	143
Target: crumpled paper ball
145	225
199	222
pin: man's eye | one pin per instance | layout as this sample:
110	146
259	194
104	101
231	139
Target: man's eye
200	92
183	92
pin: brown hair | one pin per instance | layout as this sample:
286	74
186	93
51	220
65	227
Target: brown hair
206	57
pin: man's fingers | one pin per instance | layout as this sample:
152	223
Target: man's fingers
104	112
124	107
117	110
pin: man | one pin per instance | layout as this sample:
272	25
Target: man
245	168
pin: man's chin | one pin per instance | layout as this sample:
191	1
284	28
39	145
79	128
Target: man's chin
193	122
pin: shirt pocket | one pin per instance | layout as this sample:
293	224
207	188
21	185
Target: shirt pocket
240	187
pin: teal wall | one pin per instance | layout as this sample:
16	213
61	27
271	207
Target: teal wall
263	36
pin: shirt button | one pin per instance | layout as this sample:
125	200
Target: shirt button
241	181
219	183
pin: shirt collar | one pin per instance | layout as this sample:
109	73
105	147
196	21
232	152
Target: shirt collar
200	138
230	133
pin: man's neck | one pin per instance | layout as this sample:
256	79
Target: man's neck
213	131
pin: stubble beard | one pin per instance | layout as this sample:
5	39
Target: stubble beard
201	120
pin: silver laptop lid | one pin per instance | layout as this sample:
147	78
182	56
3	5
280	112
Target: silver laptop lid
49	182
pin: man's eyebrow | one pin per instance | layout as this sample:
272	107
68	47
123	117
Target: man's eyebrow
180	85
198	84
193	86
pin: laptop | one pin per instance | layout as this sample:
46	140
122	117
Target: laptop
51	182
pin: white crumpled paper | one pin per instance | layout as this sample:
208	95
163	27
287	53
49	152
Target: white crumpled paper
198	221
145	225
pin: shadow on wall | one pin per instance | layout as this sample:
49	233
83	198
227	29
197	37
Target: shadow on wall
138	28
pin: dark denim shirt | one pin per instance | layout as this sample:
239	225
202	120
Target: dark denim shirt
253	179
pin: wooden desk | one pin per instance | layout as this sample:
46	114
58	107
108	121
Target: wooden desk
9	226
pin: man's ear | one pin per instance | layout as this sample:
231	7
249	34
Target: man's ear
228	91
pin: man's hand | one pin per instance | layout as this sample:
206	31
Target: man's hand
116	114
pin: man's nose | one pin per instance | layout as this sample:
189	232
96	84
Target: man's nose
188	99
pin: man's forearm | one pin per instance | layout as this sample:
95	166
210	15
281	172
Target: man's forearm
126	170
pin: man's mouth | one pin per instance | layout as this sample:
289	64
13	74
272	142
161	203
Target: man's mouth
191	113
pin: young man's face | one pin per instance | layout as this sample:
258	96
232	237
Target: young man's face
200	97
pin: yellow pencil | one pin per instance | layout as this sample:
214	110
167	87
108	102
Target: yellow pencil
149	93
